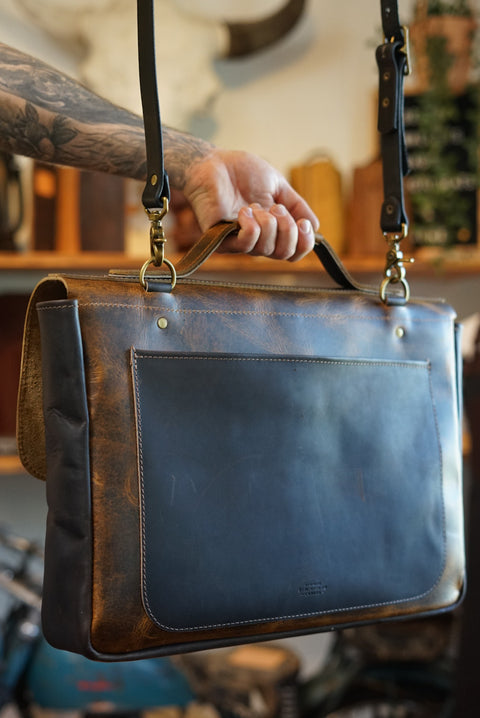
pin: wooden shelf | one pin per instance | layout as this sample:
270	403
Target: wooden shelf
10	465
452	261
58	261
428	261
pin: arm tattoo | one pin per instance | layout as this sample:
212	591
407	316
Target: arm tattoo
48	116
181	151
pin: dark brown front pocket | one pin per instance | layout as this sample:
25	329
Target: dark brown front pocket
276	488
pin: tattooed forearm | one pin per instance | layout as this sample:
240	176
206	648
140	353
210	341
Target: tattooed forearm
48	116
181	151
45	87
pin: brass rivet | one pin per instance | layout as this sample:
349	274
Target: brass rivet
400	332
162	323
386	76
154	179
385	102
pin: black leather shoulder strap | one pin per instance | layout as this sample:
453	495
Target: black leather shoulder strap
390	20
157	186
393	65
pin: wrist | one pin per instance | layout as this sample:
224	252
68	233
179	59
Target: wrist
181	152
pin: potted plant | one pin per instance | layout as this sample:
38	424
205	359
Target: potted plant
442	114
443	27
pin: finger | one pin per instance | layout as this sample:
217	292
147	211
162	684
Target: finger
287	233
266	241
305	241
247	236
271	233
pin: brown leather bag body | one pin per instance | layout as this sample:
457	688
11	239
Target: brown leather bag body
227	463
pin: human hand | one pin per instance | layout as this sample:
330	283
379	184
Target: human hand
274	220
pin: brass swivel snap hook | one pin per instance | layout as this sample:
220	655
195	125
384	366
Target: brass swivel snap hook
157	245
395	271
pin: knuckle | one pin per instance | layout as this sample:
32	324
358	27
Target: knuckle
245	246
246	240
270	224
283	253
285	249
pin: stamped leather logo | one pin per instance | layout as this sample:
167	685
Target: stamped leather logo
312	588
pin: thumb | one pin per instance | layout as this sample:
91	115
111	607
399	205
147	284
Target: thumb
296	205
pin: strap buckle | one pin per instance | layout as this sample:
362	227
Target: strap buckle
405	49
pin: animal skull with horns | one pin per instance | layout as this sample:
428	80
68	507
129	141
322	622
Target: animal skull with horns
186	45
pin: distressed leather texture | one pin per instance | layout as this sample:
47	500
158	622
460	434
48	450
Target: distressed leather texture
271	462
306	442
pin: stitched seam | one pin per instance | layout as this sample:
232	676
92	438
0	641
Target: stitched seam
365	292
138	417
57	306
114	305
245	622
268	619
294	360
440	456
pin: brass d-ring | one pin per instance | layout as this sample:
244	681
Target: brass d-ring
394	280
173	273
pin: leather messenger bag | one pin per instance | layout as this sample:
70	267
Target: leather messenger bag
228	463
